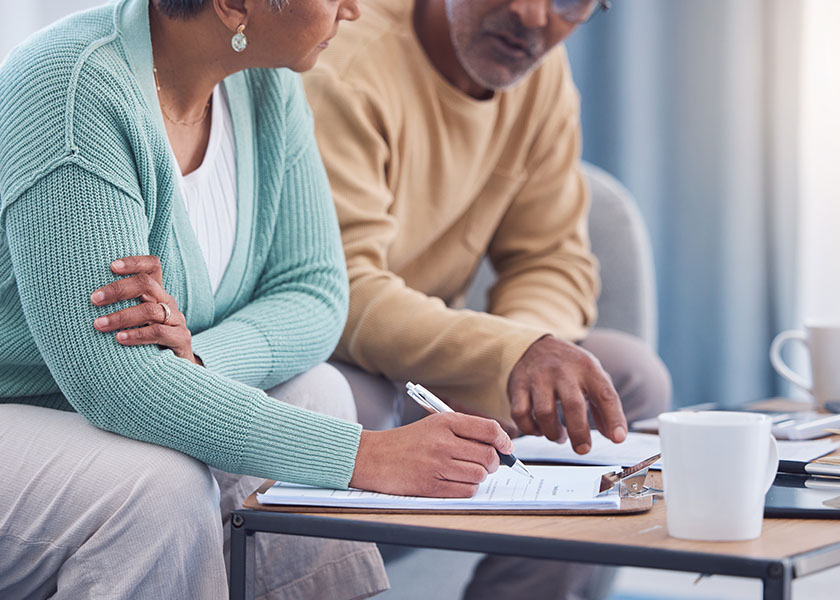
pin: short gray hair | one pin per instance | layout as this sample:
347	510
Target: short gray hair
184	9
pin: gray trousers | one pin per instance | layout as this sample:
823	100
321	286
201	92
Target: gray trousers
89	514
644	386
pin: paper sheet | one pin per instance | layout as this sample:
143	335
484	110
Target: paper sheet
807	450
553	487
639	446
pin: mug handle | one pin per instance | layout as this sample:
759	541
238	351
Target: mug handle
779	364
772	463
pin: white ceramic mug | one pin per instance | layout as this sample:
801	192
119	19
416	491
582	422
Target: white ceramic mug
822	341
716	468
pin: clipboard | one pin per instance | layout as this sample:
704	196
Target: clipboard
629	505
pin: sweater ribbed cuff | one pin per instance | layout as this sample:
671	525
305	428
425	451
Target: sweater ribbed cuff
310	448
217	348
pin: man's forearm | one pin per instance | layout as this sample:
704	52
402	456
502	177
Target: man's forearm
461	355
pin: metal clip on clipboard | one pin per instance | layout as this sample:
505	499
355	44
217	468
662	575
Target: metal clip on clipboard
631	480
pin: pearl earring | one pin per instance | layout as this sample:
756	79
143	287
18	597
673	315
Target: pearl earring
239	42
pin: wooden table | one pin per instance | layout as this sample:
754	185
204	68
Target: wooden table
787	548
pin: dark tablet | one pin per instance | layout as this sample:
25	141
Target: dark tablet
803	496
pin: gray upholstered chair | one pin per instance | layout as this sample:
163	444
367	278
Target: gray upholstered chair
627	303
621	243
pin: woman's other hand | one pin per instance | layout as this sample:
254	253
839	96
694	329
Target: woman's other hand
444	455
155	320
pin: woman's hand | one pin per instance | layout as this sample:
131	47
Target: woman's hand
155	320
444	455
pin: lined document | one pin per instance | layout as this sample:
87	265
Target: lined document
553	487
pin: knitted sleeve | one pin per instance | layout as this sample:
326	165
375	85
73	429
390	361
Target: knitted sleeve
300	301
62	233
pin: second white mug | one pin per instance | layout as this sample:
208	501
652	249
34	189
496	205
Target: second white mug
822	341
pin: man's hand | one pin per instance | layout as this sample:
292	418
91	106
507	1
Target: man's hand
553	370
444	455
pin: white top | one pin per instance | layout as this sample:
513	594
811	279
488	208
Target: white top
209	192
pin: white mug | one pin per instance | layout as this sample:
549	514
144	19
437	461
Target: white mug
823	344
716	468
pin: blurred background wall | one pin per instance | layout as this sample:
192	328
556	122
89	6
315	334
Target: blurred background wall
722	118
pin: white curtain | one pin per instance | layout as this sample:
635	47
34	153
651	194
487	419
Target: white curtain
819	262
694	105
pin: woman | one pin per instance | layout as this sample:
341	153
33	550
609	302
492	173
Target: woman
170	250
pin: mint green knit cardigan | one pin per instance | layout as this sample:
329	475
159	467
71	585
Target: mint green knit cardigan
86	178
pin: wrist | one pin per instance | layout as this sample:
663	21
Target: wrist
361	476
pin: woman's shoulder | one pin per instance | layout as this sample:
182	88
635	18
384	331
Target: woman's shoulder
42	77
53	54
58	93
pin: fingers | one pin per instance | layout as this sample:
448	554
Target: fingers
482	456
607	407
552	369
520	410
129	288
149	322
443	488
545	411
461	471
177	338
575	415
509	428
487	431
144	313
138	264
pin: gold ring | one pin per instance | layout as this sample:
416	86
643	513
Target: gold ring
167	312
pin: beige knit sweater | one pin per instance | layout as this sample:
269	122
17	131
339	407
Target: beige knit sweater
426	181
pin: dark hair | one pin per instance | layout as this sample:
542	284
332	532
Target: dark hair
183	9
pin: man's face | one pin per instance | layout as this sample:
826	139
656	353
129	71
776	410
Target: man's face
498	42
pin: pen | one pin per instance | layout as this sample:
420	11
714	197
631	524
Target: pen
432	403
810	468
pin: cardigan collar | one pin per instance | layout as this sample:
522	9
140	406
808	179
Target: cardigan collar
132	23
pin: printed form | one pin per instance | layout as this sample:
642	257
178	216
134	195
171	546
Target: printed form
553	487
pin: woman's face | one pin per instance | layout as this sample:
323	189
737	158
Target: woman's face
296	35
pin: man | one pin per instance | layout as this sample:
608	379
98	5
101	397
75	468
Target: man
450	130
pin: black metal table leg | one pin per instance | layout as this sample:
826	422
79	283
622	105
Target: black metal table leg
777	583
242	559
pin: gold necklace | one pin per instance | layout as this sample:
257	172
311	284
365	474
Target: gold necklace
169	118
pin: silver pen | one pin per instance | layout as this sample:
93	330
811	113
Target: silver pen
432	403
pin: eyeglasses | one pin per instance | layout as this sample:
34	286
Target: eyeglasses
578	11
